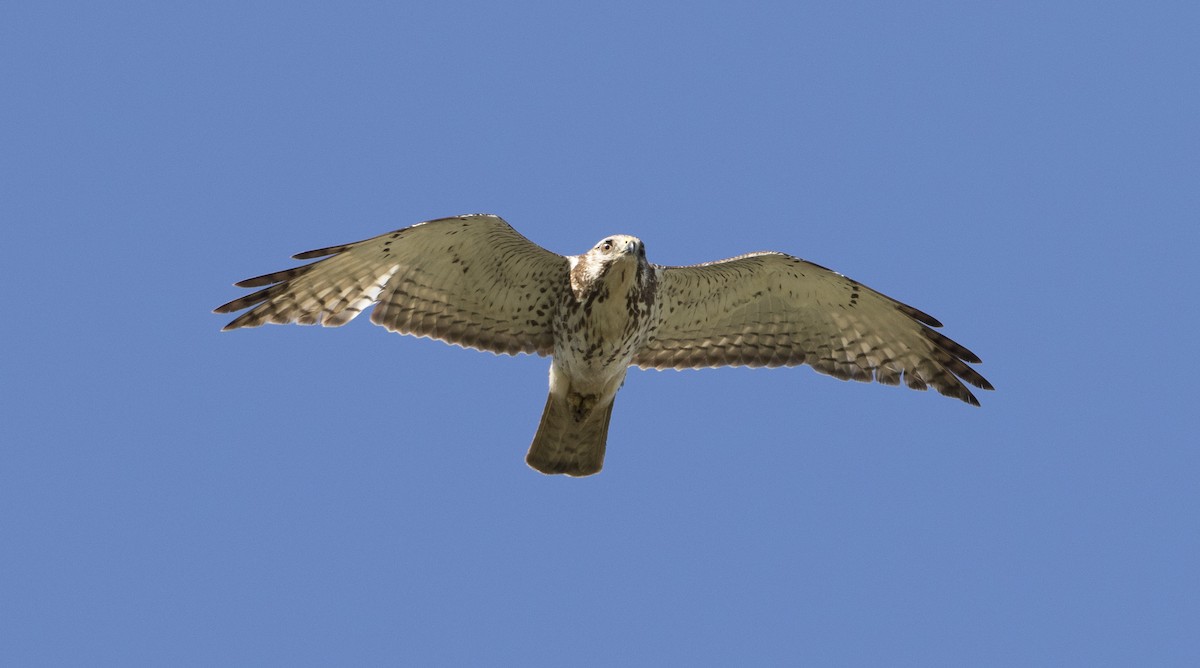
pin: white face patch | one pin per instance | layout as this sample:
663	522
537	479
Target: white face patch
618	244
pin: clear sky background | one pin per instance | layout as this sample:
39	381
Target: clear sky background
1027	172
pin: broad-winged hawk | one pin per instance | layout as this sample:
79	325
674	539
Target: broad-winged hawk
473	281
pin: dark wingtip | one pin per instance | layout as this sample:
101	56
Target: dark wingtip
919	315
320	252
276	276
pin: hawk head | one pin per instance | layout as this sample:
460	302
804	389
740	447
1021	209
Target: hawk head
618	261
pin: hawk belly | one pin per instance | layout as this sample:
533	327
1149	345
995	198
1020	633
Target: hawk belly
599	327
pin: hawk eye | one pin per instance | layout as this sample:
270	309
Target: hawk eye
606	245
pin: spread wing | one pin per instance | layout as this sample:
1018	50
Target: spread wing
469	280
771	309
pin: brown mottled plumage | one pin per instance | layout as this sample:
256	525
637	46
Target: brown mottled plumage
474	281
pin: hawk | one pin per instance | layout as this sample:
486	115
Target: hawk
473	281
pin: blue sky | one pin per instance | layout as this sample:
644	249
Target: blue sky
172	495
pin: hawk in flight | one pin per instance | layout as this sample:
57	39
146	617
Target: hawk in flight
473	281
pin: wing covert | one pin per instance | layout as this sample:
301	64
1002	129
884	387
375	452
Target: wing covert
771	309
472	281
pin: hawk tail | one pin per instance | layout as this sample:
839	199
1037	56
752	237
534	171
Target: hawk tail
566	445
